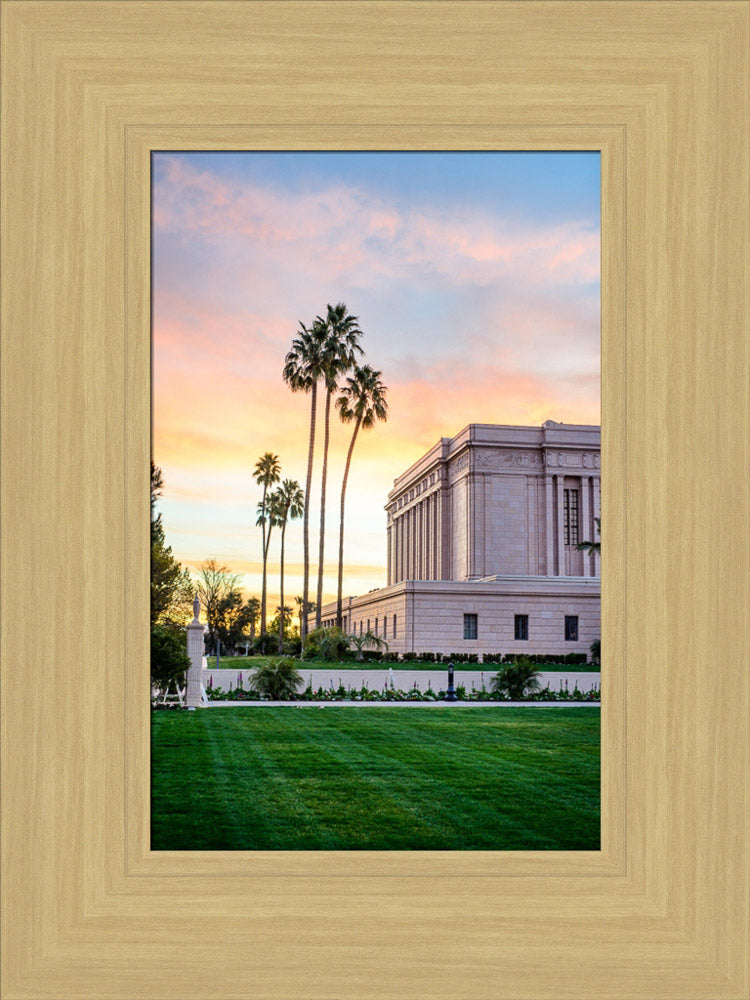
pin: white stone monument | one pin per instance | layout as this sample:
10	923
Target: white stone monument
195	653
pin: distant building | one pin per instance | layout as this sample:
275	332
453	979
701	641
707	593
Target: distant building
482	546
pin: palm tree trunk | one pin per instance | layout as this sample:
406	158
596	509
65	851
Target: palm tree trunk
306	518
265	564
263	588
281	588
339	596
321	545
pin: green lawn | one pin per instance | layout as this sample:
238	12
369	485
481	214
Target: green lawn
248	662
376	779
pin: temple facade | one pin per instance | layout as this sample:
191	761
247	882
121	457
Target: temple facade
482	536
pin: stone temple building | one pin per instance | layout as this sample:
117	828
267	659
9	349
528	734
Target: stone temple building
482	536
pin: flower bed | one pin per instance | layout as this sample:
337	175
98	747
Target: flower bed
364	694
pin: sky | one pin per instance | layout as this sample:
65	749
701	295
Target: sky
475	281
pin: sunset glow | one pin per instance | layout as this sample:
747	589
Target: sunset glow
475	279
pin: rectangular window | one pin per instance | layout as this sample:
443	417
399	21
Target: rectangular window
368	624
522	627
470	626
570	502
394	626
571	628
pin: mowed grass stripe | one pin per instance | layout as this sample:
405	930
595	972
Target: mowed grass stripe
403	797
386	778
429	800
480	766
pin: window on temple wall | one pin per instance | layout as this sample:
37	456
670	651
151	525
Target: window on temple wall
571	628
394	626
521	628
570	502
470	626
368	624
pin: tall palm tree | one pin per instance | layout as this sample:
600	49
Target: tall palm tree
303	369
288	505
362	400
341	345
267	472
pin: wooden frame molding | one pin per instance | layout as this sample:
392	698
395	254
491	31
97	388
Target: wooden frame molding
89	89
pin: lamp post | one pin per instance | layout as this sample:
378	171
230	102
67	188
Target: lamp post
450	694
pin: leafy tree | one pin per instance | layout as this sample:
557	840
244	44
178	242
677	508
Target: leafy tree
215	584
299	601
342	336
267	472
362	400
253	605
288	505
171	587
278	679
366	639
516	679
233	618
169	659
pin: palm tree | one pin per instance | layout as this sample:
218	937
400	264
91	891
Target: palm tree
367	639
288	505
299	601
267	472
303	369
341	343
362	400
277	679
593	548
516	679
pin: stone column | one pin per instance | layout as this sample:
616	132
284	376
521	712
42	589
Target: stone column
195	654
400	550
597	513
560	482
585	526
549	524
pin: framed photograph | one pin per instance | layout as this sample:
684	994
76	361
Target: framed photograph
417	462
90	92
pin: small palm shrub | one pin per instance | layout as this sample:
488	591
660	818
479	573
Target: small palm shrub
516	679
278	680
326	644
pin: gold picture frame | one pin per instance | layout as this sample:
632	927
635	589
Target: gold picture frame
88	90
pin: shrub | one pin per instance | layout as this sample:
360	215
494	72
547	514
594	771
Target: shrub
409	657
278	680
293	646
426	657
169	659
596	651
266	643
326	644
516	679
372	654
